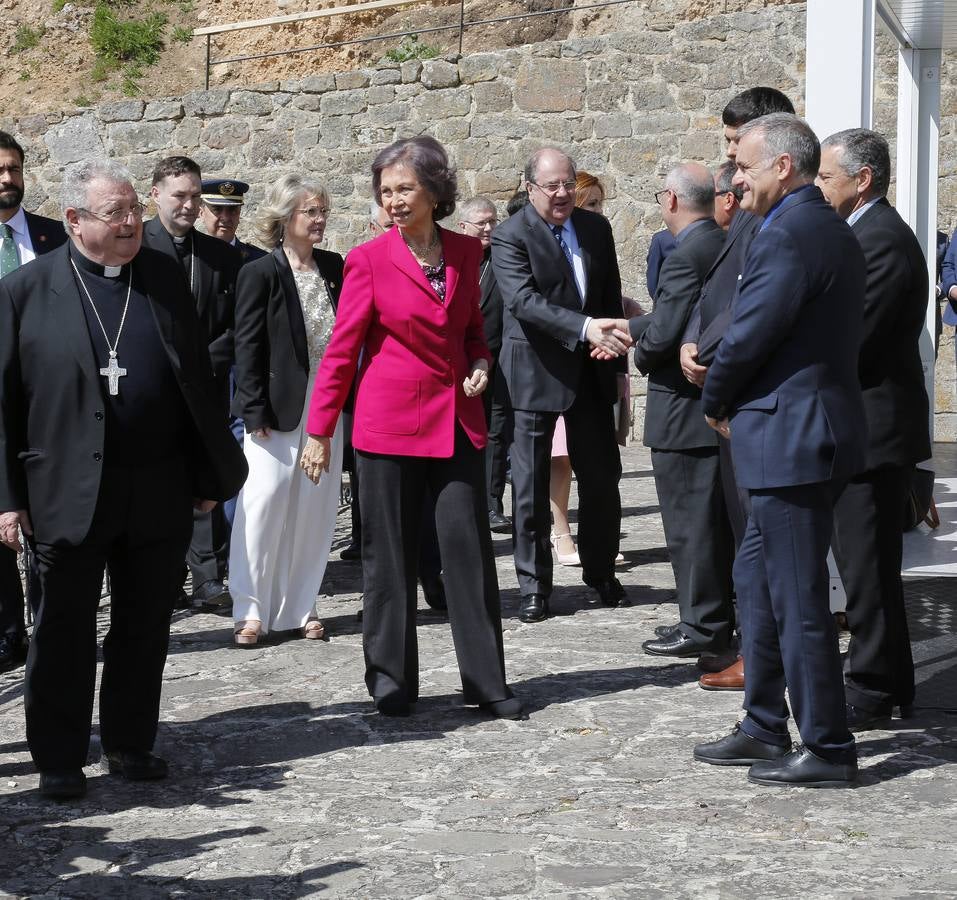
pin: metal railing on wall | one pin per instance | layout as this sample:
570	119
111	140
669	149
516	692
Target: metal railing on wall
293	18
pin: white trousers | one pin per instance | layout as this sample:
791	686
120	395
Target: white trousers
283	530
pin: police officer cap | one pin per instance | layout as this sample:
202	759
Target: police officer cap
224	191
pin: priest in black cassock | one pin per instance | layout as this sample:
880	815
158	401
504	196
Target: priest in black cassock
111	433
210	267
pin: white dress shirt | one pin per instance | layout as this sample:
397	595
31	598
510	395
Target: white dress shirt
21	237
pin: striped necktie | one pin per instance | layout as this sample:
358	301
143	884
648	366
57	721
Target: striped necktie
9	256
557	231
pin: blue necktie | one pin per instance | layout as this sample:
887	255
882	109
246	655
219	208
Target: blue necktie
557	231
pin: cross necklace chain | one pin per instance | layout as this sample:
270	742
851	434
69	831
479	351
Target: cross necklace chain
112	372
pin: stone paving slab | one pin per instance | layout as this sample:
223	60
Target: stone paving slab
286	784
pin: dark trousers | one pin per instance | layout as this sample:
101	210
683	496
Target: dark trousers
789	639
500	421
430	558
140	531
596	462
737	502
868	545
11	595
699	540
392	492
208	554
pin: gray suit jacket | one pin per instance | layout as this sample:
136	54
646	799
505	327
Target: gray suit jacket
673	416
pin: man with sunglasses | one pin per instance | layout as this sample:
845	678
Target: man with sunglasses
23	237
210	267
557	269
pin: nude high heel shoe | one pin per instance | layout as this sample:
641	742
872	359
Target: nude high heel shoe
565	559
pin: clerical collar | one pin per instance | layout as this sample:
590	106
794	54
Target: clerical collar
87	264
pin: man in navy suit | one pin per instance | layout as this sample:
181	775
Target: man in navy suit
221	211
868	540
784	388
23	237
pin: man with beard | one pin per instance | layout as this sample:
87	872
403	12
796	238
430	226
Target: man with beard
23	237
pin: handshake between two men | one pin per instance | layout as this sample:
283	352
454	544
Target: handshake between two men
610	338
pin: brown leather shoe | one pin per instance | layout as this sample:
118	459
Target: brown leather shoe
730	679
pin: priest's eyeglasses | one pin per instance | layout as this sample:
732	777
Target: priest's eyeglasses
118	216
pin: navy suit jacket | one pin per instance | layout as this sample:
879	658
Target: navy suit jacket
662	243
249	252
45	234
786	370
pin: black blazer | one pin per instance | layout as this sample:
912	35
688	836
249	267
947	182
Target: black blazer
491	306
712	315
673	416
248	252
272	357
52	429
217	265
45	234
542	358
890	368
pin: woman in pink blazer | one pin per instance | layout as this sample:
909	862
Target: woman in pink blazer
409	310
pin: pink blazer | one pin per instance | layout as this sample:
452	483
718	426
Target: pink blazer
416	351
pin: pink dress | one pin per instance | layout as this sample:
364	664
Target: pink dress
559	442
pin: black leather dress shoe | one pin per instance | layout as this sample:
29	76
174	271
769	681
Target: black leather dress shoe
739	749
675	644
351	553
499	523
13	651
802	768
211	594
611	592
664	631
864	719
182	600
534	608
434	591
393	705
134	765
509	708
65	784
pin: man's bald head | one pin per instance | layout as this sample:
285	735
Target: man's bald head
694	185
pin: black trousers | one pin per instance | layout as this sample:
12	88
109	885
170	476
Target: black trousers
430	558
596	462
500	421
789	639
11	595
140	531
208	554
868	546
699	540
393	490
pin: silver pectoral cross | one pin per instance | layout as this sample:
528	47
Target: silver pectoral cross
113	373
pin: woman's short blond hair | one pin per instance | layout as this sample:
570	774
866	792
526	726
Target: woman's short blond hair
281	201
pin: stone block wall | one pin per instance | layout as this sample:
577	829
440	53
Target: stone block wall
628	105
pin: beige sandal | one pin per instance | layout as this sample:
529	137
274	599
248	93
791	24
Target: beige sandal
313	630
246	633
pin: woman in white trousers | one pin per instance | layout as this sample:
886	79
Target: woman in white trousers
285	310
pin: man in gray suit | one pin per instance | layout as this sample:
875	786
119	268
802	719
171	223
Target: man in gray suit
683	452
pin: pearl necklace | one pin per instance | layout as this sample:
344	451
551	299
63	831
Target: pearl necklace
417	249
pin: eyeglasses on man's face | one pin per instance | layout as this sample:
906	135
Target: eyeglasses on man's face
485	223
554	187
118	216
658	194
